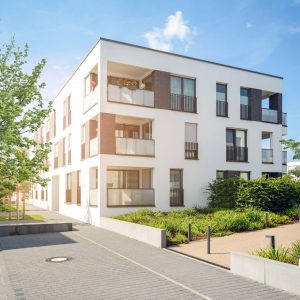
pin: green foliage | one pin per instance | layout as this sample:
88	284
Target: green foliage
270	194
293	146
295	249
274	194
222	222
295	173
280	254
22	112
223	192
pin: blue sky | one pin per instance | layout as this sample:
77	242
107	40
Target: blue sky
263	35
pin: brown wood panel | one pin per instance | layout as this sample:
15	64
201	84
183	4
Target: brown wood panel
107	133
276	103
74	185
255	96
161	88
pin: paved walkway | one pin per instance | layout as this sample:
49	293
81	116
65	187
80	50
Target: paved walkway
242	242
106	265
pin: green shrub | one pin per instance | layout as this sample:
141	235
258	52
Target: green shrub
280	254
223	193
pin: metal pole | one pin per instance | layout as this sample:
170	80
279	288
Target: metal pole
190	231
23	209
272	240
208	240
267	219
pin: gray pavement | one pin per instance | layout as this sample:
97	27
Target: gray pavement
106	265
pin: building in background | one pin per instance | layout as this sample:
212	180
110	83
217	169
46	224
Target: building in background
136	127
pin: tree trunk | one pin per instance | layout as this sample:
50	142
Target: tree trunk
9	206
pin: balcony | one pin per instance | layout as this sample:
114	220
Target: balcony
222	109
284	119
130	146
94	147
284	157
269	115
93	197
91	99
245	112
183	103
191	150
267	156
130	96
176	197
130	197
238	154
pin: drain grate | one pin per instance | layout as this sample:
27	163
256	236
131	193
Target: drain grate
58	259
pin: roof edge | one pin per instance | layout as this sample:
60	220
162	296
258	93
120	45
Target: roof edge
189	57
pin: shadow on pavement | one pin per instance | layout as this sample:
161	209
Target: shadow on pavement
34	240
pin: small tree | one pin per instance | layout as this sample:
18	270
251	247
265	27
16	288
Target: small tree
293	146
22	112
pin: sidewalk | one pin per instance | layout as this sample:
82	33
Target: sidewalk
243	242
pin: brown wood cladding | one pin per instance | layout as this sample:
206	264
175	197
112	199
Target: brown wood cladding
107	133
276	103
161	88
52	126
255	104
61	153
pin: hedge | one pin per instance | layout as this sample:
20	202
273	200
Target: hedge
273	194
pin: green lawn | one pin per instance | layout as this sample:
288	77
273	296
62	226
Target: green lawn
27	217
222	222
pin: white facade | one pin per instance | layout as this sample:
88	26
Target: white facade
110	58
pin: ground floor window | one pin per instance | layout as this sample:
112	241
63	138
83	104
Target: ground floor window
230	174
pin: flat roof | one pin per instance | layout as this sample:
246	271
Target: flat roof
189	57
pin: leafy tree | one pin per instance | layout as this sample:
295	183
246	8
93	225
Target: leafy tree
295	173
22	112
293	146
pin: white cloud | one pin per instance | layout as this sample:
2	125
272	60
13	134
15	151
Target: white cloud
176	29
59	67
249	25
293	29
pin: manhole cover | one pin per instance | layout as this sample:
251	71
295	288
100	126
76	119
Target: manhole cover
58	259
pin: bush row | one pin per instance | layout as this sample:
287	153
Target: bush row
273	194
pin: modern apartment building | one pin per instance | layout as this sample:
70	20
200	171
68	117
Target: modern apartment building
135	127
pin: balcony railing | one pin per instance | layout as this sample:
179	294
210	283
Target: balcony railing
269	115
267	156
222	109
184	103
284	157
130	197
94	146
191	150
176	197
91	99
129	146
284	119
239	154
245	112
128	96
93	197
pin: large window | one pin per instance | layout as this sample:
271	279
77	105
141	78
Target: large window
236	145
176	187
221	97
244	104
123	179
183	94
127	131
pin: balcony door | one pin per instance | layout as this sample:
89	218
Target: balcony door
176	187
